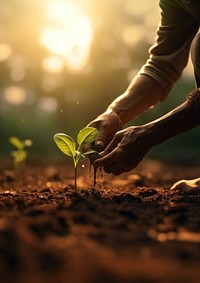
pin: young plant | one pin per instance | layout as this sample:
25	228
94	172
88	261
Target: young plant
69	147
19	155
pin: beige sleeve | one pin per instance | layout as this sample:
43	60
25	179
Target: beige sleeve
169	55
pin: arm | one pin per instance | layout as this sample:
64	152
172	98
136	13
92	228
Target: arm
167	59
142	93
130	145
181	119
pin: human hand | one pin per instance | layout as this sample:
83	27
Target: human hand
108	124
125	151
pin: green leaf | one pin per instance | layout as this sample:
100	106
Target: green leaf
91	151
80	155
87	135
19	155
16	142
66	144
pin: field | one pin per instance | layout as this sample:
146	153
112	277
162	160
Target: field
129	228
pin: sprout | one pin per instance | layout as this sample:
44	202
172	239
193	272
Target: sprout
68	146
19	155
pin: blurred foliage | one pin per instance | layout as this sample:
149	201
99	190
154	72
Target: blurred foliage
123	31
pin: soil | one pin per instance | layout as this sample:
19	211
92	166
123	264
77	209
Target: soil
129	228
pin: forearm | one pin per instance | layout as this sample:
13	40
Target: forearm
183	118
142	93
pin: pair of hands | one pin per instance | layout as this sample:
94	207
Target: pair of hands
120	150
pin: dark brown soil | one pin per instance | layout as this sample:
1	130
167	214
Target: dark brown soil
129	228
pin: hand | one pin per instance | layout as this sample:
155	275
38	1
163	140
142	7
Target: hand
108	124
125	151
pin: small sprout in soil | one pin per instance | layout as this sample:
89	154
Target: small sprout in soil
68	146
19	155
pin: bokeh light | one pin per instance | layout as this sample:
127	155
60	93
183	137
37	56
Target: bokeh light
5	51
53	64
48	104
17	65
133	34
15	95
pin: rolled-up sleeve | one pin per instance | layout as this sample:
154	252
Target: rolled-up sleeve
169	55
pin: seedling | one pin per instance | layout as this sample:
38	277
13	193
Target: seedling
69	147
19	155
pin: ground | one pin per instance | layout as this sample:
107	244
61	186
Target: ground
129	228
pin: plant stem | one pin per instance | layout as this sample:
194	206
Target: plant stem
75	177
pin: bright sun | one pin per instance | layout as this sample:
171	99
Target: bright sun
68	33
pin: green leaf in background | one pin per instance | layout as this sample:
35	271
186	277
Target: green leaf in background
19	156
66	144
87	135
16	142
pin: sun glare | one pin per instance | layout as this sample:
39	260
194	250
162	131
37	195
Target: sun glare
53	64
68	33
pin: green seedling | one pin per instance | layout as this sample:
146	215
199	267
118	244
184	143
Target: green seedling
19	155
69	147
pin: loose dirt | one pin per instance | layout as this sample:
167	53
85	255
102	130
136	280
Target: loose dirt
129	228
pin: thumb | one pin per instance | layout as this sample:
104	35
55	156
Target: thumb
100	141
112	145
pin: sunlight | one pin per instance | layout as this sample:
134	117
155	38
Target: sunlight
53	64
68	34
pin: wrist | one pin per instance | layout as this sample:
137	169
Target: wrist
153	134
144	135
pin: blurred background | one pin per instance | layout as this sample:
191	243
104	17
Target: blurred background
63	61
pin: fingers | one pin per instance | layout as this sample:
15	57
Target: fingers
113	161
112	145
113	165
104	139
109	155
99	145
106	161
110	164
101	139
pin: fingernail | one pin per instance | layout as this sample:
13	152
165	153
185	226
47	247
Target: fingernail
101	154
100	144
